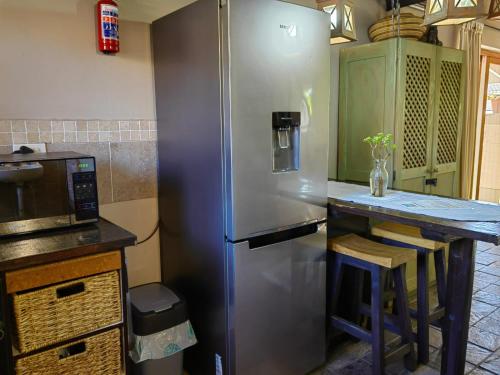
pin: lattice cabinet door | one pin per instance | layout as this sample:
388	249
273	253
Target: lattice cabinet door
414	115
448	120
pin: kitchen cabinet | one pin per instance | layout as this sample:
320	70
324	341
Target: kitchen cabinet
63	301
413	90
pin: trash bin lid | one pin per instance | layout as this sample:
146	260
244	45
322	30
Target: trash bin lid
153	297
156	308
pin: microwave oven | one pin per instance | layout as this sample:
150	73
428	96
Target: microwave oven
41	191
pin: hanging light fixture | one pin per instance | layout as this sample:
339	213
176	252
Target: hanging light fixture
342	26
494	10
453	12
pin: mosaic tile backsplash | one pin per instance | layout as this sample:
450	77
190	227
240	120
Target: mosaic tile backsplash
75	131
125	151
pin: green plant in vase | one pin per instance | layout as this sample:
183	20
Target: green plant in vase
382	146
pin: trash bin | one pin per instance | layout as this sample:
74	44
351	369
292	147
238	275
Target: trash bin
161	330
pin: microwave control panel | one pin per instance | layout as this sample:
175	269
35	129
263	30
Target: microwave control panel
83	189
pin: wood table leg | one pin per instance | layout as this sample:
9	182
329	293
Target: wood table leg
458	305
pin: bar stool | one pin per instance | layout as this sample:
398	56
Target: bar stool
408	236
376	258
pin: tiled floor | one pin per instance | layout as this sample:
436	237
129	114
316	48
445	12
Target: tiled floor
483	351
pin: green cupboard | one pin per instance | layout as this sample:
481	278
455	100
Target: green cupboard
413	90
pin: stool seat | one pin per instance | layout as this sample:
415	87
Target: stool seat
370	251
405	234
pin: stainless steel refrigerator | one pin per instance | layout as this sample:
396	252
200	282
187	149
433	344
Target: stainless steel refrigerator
242	98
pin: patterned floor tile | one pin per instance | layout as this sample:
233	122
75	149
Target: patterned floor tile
489	298
492	279
484	339
492	363
476	354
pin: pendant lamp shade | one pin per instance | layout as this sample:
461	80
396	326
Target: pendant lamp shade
453	12
342	24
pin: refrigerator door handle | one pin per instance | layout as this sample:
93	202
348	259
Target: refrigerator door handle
281	236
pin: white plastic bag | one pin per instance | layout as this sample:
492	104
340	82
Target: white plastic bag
164	343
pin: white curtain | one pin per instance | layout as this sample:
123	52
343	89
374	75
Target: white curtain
470	41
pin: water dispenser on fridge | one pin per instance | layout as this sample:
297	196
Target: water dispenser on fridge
286	141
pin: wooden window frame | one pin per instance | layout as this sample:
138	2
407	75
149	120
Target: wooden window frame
492	57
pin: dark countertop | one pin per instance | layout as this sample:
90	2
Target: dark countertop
429	225
56	245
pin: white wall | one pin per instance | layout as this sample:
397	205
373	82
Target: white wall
50	68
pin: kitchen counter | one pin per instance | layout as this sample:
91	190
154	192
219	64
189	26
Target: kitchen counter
62	244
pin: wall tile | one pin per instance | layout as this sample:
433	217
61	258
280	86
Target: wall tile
93	137
32	126
44	126
33	137
82	136
5	138
4	150
135	125
46	137
144	125
58	137
104	136
19	138
114	136
124	125
18	126
125	135
5	126
81	126
69	126
101	152
144	135
135	135
152	125
57	126
108	126
133	166
69	137
93	125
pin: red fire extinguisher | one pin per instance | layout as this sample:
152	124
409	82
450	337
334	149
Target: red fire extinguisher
107	26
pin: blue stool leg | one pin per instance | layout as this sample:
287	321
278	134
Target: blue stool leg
404	316
423	305
377	311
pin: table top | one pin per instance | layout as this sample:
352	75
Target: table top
55	245
430	224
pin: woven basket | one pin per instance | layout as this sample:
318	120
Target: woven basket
96	355
64	311
410	27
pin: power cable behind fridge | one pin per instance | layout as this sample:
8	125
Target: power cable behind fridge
157	226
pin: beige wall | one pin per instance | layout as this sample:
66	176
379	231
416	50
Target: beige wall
50	69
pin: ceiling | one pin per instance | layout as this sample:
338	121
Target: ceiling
131	10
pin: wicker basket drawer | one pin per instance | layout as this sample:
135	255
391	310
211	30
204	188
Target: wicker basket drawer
64	311
100	354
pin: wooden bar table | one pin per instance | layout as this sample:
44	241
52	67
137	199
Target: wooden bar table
435	223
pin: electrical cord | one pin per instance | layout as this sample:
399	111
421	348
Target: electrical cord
157	226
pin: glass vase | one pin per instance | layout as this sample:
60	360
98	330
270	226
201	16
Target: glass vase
379	178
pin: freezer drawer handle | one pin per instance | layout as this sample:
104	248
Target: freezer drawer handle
285	235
